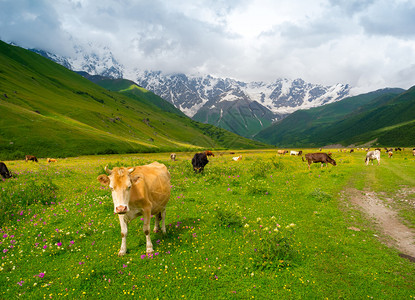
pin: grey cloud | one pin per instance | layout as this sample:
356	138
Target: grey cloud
393	19
30	24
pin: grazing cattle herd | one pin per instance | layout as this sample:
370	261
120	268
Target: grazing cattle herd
145	190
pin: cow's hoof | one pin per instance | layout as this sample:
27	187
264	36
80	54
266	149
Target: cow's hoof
150	252
121	253
155	230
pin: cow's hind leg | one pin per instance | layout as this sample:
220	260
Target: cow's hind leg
161	216
163	221
157	222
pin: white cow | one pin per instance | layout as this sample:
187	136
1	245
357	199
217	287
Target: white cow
296	152
372	155
236	158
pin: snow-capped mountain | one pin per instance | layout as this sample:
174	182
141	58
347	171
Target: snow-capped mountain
242	107
282	97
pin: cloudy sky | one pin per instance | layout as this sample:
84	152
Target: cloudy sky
368	44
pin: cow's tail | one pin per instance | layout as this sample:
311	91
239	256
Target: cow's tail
302	157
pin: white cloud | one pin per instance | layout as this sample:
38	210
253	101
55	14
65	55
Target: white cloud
367	43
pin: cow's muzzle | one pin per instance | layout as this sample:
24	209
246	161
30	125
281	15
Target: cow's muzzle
121	209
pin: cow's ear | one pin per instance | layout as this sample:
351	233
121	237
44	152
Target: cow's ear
104	179
136	177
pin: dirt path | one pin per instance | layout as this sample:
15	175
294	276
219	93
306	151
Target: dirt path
400	236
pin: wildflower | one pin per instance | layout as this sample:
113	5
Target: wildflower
20	283
59	244
258	219
143	256
246	225
276	229
45	247
40	275
72	242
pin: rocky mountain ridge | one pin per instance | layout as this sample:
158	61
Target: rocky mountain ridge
198	96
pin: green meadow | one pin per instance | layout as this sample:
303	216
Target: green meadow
264	227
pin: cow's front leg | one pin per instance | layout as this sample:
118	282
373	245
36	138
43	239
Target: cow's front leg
146	230
124	232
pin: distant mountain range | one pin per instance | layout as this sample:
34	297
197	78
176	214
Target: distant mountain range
382	118
240	107
286	113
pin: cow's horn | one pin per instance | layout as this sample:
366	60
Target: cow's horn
107	170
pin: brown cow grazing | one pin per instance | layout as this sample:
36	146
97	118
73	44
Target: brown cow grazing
142	190
49	160
173	156
322	158
282	152
209	153
31	157
390	153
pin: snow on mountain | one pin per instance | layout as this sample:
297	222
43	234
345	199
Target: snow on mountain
193	94
282	97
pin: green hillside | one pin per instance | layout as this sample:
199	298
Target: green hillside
242	117
132	90
47	110
378	116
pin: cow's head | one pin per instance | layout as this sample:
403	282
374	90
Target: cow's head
120	181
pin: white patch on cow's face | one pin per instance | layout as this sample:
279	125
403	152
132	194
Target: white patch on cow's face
120	185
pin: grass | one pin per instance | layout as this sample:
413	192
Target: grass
235	231
48	110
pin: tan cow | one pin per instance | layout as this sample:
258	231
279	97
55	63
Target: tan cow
49	160
142	190
282	152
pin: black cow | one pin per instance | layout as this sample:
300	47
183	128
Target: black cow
199	161
322	158
4	172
